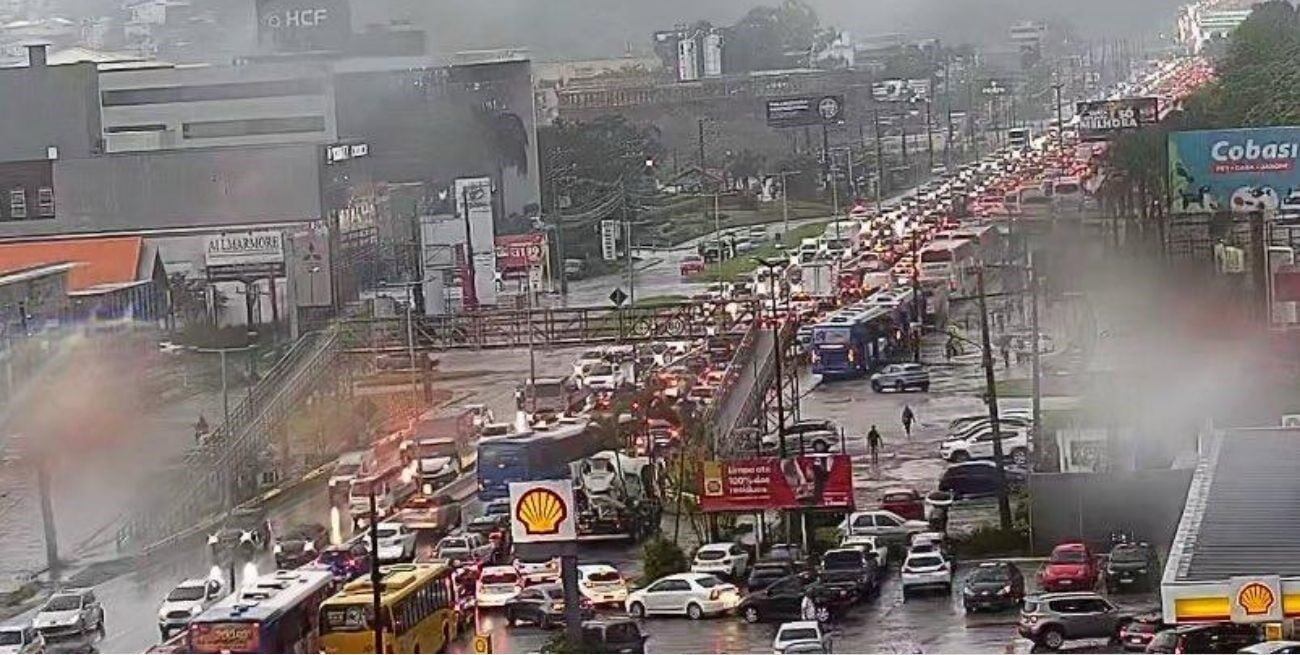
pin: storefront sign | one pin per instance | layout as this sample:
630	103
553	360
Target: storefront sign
1101	119
1255	599
807	110
542	511
237	255
1242	170
519	252
225	638
813	481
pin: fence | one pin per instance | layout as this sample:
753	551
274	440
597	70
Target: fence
1088	506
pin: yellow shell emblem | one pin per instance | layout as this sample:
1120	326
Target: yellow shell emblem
541	511
1256	598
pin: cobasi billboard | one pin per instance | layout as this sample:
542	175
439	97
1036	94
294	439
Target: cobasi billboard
1239	170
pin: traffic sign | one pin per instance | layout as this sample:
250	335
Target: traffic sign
618	297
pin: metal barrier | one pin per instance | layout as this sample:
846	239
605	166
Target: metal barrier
215	476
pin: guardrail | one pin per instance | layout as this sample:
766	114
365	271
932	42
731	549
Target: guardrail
216	475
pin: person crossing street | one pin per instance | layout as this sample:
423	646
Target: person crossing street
873	443
908	418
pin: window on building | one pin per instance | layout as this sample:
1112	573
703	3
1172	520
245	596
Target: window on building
45	201
253	127
212	92
17	203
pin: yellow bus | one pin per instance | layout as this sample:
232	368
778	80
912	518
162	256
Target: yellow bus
418	612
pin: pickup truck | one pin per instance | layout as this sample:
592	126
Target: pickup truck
465	548
851	568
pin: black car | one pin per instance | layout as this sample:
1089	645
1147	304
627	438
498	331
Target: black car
765	572
1132	565
300	545
488	525
783	600
613	636
993	585
979	478
1212	638
851	568
245	532
543	605
1138	633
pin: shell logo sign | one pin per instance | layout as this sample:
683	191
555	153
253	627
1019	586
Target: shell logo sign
542	511
1256	599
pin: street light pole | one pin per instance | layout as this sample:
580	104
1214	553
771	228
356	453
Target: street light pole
1036	446
1060	124
376	577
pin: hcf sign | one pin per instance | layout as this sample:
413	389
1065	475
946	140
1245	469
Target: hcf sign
308	17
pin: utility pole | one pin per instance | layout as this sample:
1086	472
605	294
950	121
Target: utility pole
627	232
880	158
471	289
47	515
947	143
376	577
1060	124
1035	446
916	298
785	200
410	343
1004	503
717	233
929	133
700	124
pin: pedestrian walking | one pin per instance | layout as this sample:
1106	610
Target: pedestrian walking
908	418
1006	355
200	429
807	608
873	443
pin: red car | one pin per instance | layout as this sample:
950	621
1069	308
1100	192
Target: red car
692	264
1072	567
906	503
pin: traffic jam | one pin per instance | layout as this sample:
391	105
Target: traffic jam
429	502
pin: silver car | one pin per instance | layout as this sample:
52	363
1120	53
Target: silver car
1050	619
901	377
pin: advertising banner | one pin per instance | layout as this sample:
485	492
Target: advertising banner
806	110
520	252
1100	119
1241	170
811	482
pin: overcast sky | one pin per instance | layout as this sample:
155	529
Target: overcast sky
593	28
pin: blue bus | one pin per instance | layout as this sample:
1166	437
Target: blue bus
275	613
536	455
850	344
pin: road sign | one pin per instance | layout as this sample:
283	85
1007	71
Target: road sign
482	643
609	240
618	297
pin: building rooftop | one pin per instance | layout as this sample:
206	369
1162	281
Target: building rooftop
1238	519
98	261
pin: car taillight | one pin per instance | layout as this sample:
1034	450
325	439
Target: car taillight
715	594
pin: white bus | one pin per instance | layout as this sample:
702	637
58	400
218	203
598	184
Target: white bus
950	260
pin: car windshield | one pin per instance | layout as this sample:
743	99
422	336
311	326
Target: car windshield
185	593
1072	556
797	634
64	603
989	574
385	533
920	562
448	544
604	576
708	582
842	559
1128	554
710	554
332	556
601	369
504	577
11	637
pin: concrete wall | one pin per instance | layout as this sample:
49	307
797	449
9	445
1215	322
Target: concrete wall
47	106
182	189
1069	506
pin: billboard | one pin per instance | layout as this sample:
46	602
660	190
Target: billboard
303	25
519	252
812	481
805	110
1099	119
1240	170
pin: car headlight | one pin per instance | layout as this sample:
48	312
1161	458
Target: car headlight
195	610
1142	570
309	546
246	537
278	549
162	615
967	591
212	540
1006	589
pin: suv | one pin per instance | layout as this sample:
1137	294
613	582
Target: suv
852	568
980	478
613	636
245	531
1050	619
69	613
1132	565
185	602
901	377
783	600
978	444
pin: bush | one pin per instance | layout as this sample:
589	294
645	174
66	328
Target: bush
663	557
988	540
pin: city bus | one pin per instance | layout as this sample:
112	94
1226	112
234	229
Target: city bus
850	344
950	260
536	455
275	613
417	610
990	245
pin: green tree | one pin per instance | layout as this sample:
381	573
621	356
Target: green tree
775	37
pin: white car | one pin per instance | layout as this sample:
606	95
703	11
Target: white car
926	570
497	585
979	445
695	595
727	560
601	583
186	601
603	376
396	542
1271	647
869	544
586	359
536	571
890	528
798	632
21	639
